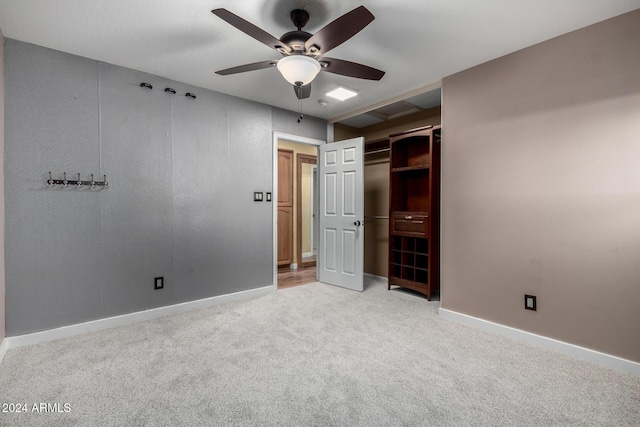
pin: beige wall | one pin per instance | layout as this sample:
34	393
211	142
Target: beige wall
541	188
2	281
297	148
376	183
376	203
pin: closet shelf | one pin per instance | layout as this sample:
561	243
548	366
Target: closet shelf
414	211
410	168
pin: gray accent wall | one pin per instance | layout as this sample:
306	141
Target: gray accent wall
181	175
287	122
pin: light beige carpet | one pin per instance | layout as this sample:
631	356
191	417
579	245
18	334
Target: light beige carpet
313	355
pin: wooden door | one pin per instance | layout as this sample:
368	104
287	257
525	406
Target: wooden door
285	207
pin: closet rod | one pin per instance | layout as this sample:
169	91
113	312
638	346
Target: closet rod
383	150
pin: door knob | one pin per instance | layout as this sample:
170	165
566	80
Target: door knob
357	223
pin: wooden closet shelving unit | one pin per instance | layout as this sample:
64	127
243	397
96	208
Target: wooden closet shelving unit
414	210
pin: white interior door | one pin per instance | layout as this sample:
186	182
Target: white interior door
341	254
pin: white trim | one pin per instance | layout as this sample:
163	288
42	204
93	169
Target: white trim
573	350
274	193
330	132
295	139
3	349
126	319
315	214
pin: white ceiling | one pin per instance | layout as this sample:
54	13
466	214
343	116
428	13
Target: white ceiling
417	42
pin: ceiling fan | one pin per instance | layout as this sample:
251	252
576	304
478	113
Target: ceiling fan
303	53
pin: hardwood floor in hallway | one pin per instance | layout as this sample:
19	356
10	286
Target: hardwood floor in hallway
288	277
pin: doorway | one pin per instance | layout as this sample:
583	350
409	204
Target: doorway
306	214
300	229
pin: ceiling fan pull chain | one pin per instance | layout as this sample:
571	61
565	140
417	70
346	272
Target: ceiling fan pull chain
299	111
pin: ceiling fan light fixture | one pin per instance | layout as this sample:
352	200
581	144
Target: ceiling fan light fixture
298	70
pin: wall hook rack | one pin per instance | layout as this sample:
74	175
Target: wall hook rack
77	183
168	90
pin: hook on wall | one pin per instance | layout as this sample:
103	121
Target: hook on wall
168	89
79	183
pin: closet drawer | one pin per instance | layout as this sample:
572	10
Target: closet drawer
407	224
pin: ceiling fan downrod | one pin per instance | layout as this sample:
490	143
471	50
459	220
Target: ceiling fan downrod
299	17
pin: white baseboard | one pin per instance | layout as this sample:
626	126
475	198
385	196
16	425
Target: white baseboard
3	349
126	319
576	351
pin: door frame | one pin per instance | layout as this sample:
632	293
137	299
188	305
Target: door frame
274	197
300	159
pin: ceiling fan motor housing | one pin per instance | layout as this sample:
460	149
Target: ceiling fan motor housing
296	39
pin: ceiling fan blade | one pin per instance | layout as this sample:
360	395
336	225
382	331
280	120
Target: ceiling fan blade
302	92
338	31
247	67
250	29
351	69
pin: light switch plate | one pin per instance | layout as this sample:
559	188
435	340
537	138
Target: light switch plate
268	196
257	196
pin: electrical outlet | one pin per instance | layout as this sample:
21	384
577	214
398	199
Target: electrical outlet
530	302
158	283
